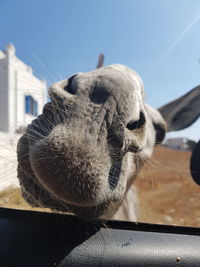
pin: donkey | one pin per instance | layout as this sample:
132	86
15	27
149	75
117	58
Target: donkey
83	153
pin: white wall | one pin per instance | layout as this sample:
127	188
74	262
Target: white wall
18	82
177	143
3	92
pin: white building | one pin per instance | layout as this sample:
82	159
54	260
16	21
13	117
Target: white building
22	95
177	143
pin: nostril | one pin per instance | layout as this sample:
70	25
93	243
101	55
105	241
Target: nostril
133	125
69	88
98	95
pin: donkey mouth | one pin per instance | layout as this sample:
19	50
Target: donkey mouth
76	188
78	174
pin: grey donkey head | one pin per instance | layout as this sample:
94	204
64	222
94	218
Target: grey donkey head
83	152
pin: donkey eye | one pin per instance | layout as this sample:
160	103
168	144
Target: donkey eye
133	125
69	87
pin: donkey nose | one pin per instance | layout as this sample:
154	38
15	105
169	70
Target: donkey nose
99	95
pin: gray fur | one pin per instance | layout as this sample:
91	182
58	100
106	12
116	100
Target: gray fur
82	155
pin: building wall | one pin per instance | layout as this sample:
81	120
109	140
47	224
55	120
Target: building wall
20	83
3	92
177	143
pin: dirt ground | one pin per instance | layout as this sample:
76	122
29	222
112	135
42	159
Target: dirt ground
166	190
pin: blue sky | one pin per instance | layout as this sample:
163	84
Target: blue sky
159	39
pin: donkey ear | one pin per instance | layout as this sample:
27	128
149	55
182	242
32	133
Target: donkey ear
183	111
100	61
